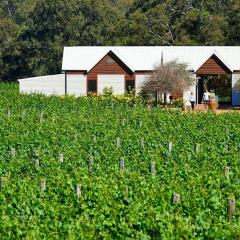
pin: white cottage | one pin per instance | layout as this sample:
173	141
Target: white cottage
91	69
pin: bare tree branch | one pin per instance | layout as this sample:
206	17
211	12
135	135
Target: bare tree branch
170	78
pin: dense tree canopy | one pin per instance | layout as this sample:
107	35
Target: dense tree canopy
34	32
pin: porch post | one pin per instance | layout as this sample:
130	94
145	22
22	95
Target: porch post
196	89
65	83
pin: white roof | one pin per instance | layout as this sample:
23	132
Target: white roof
52	77
144	58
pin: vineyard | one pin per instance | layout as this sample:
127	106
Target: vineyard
103	168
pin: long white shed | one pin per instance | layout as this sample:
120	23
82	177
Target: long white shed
54	85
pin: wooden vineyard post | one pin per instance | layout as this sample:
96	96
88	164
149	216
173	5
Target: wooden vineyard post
37	163
9	113
140	124
227	171
123	122
75	137
225	148
2	182
198	146
41	117
170	146
13	152
122	164
43	185
231	208
90	164
142	143
78	191
118	142
37	152
176	198
94	139
152	168
125	198
112	105
61	157
23	114
53	119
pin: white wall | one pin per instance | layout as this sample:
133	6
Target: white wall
140	79
77	85
117	82
55	85
236	89
186	94
48	85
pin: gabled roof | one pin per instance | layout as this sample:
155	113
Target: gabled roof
220	58
118	60
144	58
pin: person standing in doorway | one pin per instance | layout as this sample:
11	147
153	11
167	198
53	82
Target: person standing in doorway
192	100
206	98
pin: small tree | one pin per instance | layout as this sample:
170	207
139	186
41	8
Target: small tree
168	78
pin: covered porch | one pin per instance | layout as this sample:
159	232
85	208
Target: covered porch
217	77
218	85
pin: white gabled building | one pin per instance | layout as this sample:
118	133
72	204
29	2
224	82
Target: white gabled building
91	69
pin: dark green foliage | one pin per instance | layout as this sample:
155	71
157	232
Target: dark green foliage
35	31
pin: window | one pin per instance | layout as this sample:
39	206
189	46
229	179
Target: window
110	61
130	85
92	86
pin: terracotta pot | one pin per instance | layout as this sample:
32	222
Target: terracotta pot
213	104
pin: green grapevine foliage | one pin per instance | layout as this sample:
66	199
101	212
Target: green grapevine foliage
63	181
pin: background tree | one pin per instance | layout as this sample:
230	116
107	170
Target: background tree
168	78
34	32
233	17
9	51
200	26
